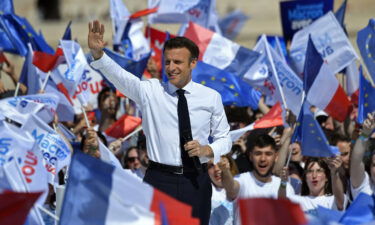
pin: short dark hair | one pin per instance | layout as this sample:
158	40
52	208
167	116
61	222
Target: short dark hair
182	42
262	140
339	138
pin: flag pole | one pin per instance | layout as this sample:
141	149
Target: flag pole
274	71
290	152
17	89
45	81
41	208
85	116
139	128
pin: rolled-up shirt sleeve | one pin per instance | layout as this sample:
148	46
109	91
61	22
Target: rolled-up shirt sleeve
222	142
126	82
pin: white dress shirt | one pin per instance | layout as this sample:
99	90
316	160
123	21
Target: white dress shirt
158	103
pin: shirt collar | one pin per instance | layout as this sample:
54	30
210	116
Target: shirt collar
188	87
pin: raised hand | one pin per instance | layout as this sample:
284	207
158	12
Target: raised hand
95	39
334	163
368	124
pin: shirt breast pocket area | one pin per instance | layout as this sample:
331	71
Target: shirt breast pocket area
200	118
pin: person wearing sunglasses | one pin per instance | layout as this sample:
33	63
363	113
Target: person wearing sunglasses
131	159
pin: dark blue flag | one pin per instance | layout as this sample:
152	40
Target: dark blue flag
340	14
29	76
366	45
233	90
68	32
313	63
308	131
366	100
297	14
6	7
135	67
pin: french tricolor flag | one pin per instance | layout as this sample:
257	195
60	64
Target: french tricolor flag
221	52
99	193
321	86
272	119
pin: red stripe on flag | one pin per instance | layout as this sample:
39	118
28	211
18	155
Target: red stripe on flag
65	92
177	212
272	119
15	207
267	211
46	62
200	36
339	106
143	12
123	126
3	58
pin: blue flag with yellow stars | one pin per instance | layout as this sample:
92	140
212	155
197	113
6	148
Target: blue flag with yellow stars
366	100
366	45
20	32
311	136
233	90
6	7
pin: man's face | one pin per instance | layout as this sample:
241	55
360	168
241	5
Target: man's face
109	103
344	148
178	66
263	160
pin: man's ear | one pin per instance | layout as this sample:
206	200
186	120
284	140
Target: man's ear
250	156
193	63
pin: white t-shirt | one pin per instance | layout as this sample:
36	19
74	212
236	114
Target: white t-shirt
365	187
309	204
250	187
221	208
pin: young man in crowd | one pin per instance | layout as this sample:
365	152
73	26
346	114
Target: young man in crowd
258	183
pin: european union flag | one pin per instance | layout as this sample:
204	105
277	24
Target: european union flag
366	100
19	32
27	33
9	38
366	45
233	90
308	131
6	7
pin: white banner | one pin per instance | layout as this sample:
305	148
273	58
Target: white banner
330	41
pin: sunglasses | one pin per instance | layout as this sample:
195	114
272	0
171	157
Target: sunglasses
132	159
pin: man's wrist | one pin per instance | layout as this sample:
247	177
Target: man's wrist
208	152
97	54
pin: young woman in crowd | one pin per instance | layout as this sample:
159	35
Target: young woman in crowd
321	185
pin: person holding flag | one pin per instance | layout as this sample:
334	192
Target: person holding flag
178	118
